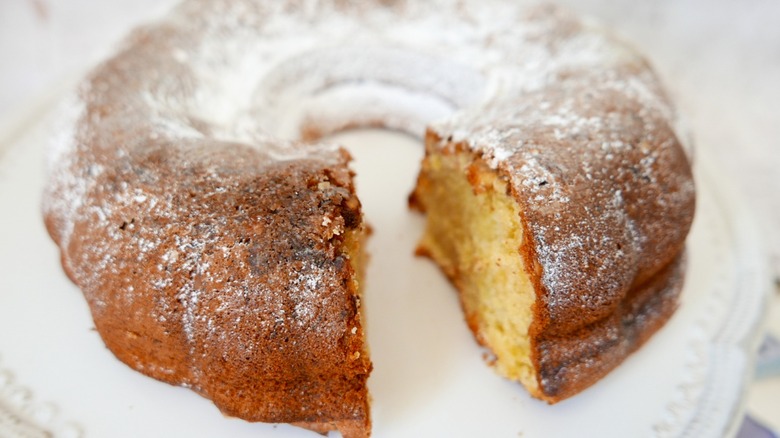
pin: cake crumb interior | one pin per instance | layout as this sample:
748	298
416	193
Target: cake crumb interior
473	232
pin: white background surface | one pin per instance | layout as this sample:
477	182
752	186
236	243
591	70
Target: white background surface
720	60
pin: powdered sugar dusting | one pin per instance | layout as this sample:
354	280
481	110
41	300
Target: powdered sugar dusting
178	182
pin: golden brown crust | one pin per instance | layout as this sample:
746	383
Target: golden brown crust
568	364
638	274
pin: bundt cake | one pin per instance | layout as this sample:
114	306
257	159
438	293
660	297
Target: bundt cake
218	242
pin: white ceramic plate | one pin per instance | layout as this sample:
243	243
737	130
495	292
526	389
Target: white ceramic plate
429	380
